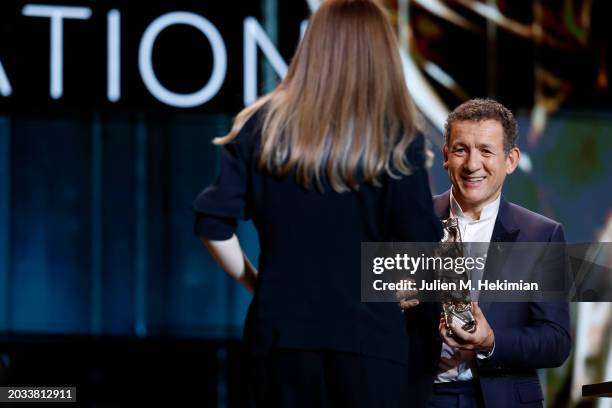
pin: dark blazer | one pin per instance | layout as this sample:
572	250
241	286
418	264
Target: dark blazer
308	293
528	335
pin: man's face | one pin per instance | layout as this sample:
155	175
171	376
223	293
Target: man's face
476	164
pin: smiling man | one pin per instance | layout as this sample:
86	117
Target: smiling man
496	365
478	155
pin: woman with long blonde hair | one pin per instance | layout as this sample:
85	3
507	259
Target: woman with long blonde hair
327	160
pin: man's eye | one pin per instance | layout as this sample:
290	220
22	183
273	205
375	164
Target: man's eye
459	150
487	152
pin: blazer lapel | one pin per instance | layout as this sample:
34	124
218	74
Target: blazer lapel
442	208
504	230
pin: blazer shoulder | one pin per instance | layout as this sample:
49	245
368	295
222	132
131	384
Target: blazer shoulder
440	197
537	225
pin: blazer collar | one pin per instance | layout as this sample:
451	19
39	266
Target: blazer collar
442	205
505	229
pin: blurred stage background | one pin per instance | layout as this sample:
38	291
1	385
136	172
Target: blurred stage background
107	110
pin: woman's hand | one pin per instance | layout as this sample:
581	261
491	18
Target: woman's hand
406	299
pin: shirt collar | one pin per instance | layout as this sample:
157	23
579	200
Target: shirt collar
489	211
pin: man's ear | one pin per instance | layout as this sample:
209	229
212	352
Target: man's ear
445	154
512	160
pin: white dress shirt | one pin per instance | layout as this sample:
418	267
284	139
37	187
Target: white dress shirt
455	364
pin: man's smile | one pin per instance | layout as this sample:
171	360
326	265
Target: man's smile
471	181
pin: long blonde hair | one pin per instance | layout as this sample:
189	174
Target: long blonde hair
343	107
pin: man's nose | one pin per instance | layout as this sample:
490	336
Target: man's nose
473	162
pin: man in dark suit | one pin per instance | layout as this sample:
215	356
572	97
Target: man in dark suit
496	365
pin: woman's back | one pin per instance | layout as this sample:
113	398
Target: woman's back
328	160
308	288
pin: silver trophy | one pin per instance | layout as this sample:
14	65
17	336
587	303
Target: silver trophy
456	304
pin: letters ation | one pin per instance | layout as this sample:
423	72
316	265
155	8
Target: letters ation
254	38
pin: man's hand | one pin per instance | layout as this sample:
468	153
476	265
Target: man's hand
481	340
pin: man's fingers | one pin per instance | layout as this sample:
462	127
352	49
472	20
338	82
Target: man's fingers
460	333
445	337
442	327
450	341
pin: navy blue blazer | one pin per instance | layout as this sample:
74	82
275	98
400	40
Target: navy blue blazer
308	292
528	335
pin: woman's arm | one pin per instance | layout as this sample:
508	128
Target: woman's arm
229	256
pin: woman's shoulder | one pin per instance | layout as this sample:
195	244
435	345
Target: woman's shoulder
418	153
252	126
416	156
248	138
